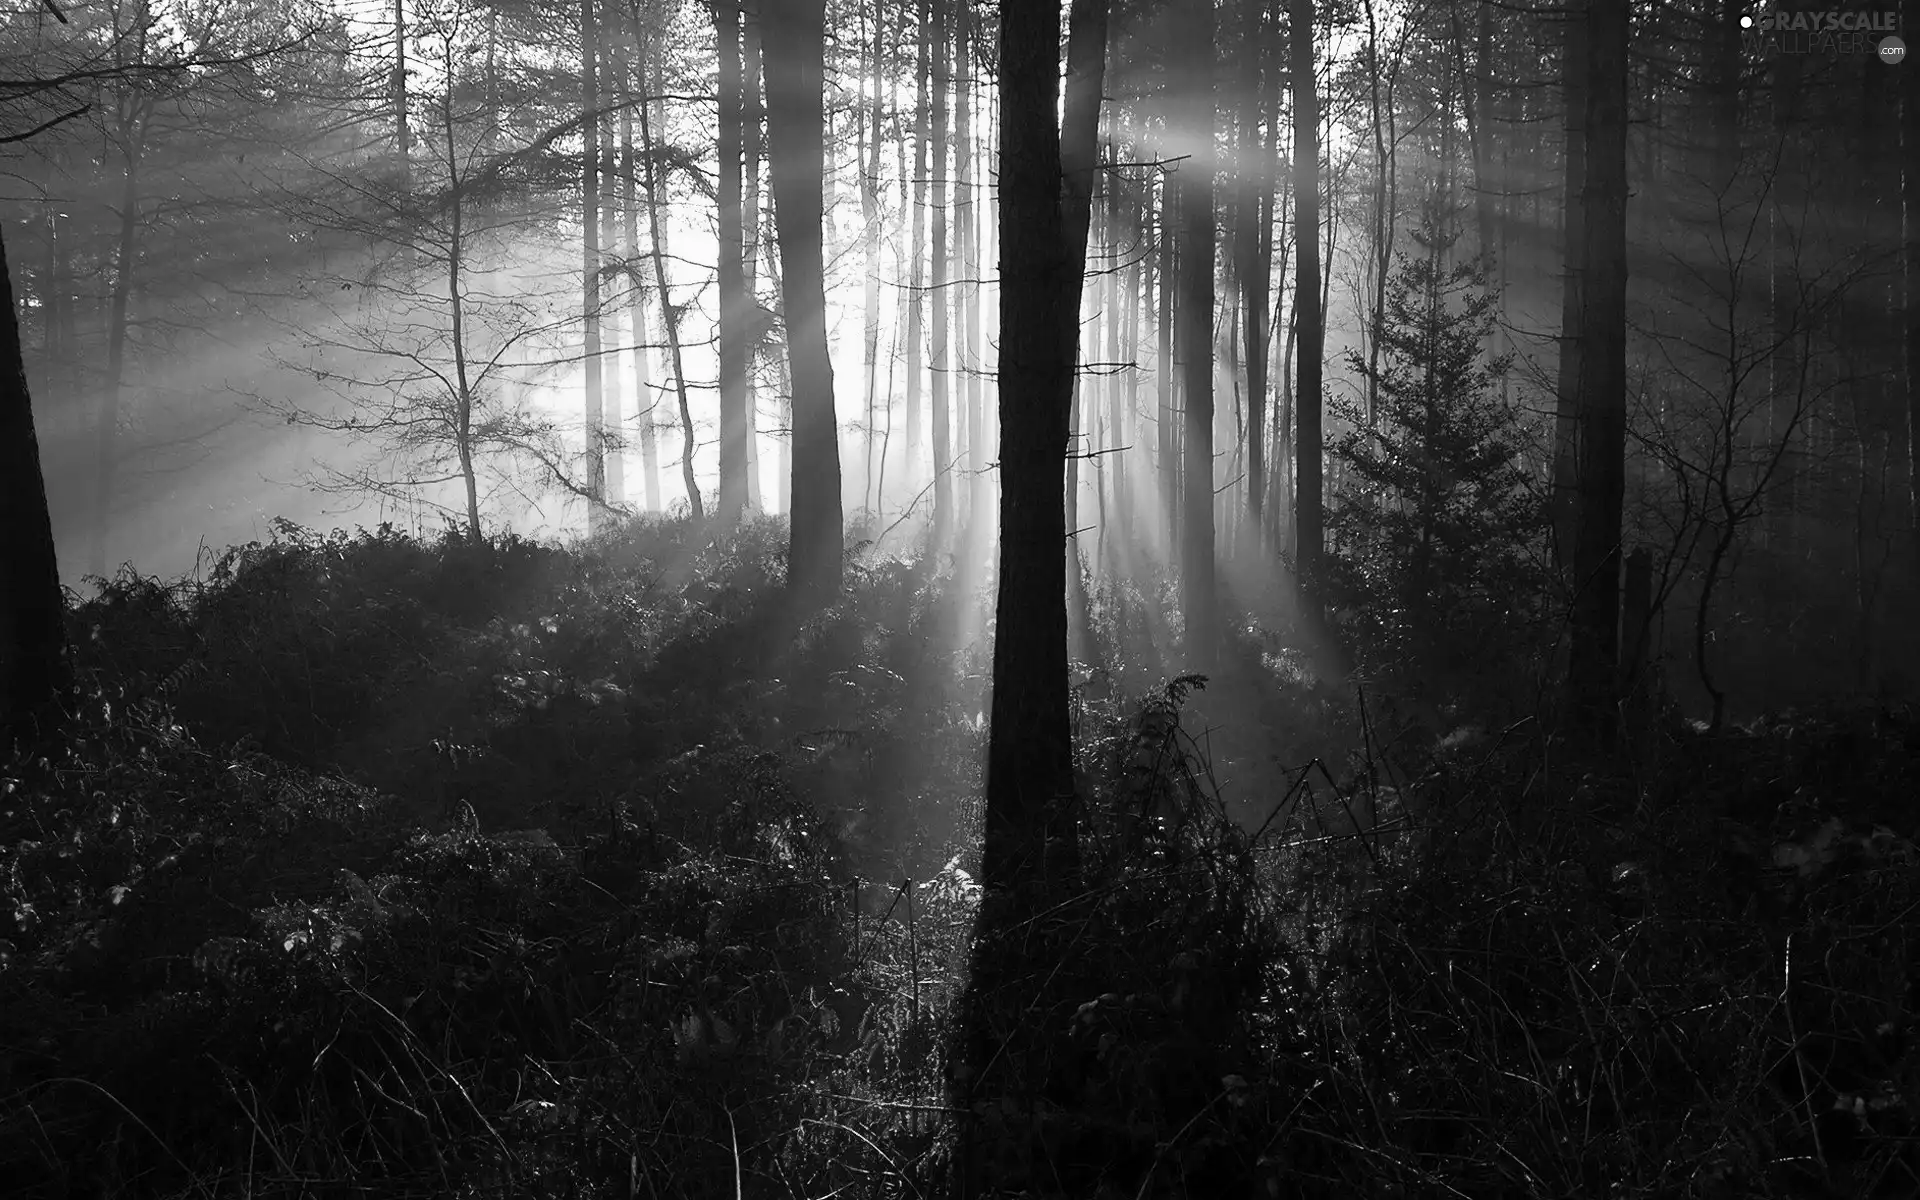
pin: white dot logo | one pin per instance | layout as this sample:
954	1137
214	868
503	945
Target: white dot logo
1892	50
1746	22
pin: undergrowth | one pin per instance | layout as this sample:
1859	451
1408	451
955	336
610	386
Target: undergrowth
376	867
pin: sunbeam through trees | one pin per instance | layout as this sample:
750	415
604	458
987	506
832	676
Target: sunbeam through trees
891	598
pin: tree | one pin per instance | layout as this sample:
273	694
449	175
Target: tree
795	73
1574	69
33	664
942	418
735	304
1602	391
1197	597
1253	254
590	364
1309	535
1436	524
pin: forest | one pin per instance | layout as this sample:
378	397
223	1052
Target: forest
940	598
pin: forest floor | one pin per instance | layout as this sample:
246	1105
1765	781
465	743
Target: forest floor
379	867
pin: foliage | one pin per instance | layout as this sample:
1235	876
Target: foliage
1437	524
721	931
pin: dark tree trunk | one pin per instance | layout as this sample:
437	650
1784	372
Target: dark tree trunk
1910	283
1164	379
1566	419
613	54
590	267
917	250
33	665
868	125
753	114
1253	254
796	68
669	316
1602	401
733	299
1195	178
942	416
644	401
1309	526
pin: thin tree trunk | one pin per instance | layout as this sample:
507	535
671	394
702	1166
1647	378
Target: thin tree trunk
795	134
942	418
868	124
1195	177
753	113
1169	428
1254	254
669	316
613	45
966	298
107	429
732	499
644	401
590	268
1309	529
916	293
457	321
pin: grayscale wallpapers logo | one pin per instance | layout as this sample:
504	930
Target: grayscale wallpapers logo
1836	31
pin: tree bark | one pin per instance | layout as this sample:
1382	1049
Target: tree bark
1309	526
644	401
942	416
1575	68
1195	178
796	67
917	275
669	317
753	114
33	664
613	51
1594	665
733	299
868	125
1253	254
590	267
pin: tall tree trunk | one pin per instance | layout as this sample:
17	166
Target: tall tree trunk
753	113
1910	284
402	133
1029	850
457	323
33	640
1043	210
596	486
1308	523
644	401
1593	667
733	299
917	275
1169	424
1113	460
942	418
868	123
796	69
613	51
1195	177
966	296
1575	68
1255	263
669	315
132	142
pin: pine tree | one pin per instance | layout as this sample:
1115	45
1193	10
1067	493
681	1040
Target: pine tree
1434	527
